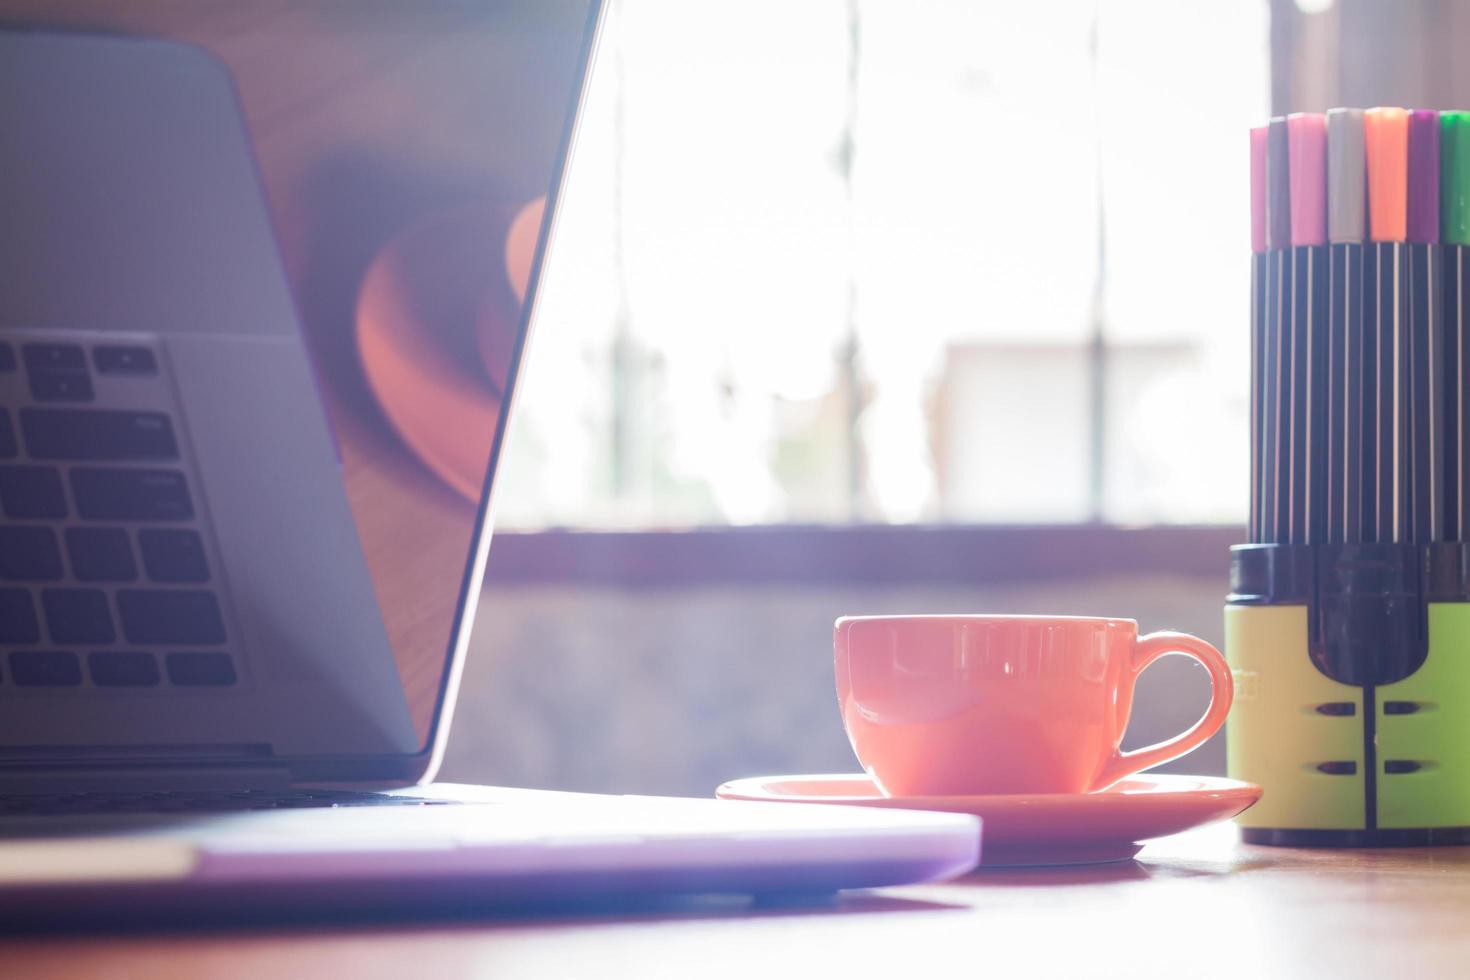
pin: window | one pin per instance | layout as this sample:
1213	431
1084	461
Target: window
872	260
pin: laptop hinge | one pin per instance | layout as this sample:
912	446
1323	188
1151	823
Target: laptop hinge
142	778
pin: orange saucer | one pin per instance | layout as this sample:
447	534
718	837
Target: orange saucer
1083	828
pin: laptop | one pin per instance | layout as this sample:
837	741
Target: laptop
235	597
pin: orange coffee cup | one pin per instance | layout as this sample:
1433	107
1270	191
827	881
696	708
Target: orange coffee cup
963	705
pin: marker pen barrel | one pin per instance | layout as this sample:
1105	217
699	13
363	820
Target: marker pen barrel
1307	163
1454	209
1347	474
1425	338
1386	138
1258	330
1277	360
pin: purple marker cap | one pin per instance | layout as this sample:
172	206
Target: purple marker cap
1306	137
1423	190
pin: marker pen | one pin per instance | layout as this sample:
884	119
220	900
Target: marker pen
1307	163
1454	206
1386	139
1425	339
1277	505
1258	330
1347	472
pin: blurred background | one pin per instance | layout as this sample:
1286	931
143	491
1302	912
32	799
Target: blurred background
933	261
973	272
942	266
853	306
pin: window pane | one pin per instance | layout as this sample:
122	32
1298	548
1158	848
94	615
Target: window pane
839	260
1179	84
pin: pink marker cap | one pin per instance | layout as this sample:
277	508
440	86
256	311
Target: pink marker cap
1306	136
1258	188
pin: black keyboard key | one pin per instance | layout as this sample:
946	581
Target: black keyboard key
55	357
8	446
61	386
85	434
28	553
119	359
200	669
7	358
77	616
173	555
182	616
31	492
45	668
123	669
131	495
101	554
18	623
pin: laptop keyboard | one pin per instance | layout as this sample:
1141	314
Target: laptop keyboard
209	801
106	570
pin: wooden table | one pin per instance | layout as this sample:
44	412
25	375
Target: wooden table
1197	904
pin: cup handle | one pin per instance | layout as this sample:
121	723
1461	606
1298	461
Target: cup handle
1222	691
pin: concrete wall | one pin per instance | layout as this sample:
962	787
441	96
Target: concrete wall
673	691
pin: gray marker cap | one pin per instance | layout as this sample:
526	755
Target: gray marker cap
1346	177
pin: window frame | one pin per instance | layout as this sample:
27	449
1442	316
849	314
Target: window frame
864	555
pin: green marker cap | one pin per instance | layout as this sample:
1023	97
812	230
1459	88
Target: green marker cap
1454	177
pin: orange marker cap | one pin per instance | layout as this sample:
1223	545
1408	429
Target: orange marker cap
1386	139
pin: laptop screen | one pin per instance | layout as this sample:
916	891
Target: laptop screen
263	300
453	228
418	400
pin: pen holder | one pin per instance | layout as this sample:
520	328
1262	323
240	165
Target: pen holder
1352	692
